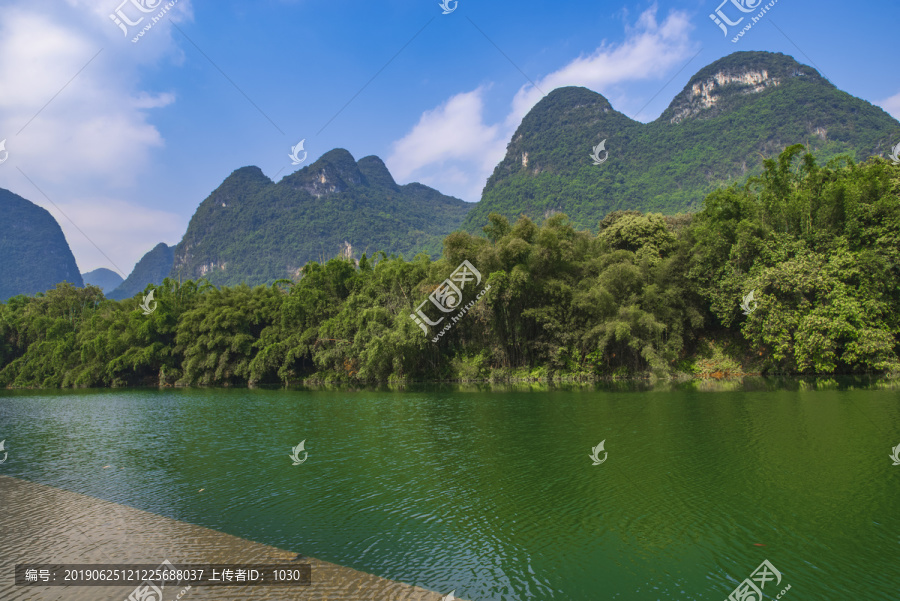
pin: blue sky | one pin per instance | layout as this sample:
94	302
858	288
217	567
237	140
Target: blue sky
121	140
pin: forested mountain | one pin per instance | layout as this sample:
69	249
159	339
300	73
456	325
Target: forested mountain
104	279
253	230
818	246
151	269
34	254
716	131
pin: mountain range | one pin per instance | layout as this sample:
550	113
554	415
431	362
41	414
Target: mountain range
716	131
733	113
253	230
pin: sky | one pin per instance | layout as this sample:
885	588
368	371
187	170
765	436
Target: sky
121	129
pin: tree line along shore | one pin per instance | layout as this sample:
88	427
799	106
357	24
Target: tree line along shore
644	294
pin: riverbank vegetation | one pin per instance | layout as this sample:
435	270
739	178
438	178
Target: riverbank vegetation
644	294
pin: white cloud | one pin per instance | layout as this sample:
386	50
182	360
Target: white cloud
891	105
445	138
650	51
453	139
78	123
124	231
94	126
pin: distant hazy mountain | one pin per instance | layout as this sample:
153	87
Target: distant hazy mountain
253	230
151	269
34	254
715	132
103	278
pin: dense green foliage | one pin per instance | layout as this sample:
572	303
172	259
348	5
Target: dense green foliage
34	254
821	247
714	133
153	268
251	230
818	245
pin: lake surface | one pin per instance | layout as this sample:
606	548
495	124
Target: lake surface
491	491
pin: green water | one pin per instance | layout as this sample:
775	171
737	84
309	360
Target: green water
492	491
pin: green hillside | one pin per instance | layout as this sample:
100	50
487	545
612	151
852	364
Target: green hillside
253	230
715	132
151	269
34	251
817	246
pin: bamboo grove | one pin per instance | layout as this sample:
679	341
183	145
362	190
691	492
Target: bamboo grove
644	294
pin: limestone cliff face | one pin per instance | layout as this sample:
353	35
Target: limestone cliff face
333	173
721	84
705	94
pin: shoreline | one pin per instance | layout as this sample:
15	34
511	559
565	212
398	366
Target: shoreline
680	379
53	525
